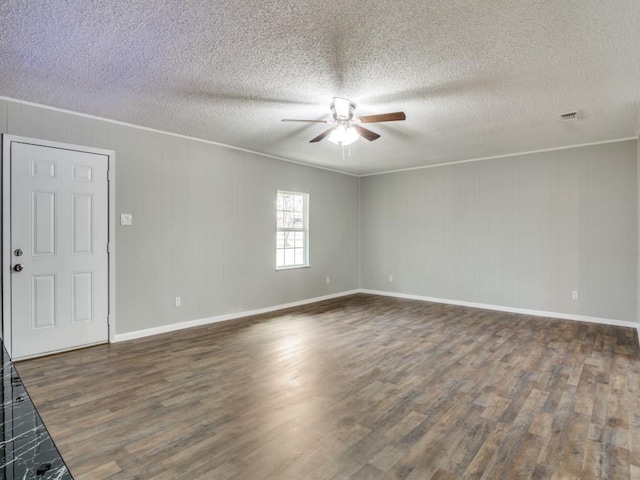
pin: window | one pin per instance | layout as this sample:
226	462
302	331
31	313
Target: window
292	230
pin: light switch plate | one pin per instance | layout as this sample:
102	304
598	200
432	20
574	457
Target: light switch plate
126	219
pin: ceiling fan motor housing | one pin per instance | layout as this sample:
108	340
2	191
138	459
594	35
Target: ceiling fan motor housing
342	108
346	129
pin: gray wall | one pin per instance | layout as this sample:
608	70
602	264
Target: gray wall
521	231
204	221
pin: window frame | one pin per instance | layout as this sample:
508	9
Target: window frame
304	230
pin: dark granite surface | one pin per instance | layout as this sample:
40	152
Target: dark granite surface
26	449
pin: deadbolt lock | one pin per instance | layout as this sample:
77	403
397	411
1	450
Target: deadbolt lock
18	252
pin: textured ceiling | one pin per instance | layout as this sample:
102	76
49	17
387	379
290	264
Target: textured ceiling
476	79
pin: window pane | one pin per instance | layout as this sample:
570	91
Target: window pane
291	229
289	257
287	202
288	240
288	219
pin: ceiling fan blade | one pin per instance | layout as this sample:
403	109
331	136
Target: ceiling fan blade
321	136
383	117
310	121
368	134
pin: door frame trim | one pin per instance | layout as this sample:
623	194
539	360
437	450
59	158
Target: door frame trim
5	196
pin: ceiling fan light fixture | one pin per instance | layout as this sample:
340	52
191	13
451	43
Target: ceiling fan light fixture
346	128
343	108
343	135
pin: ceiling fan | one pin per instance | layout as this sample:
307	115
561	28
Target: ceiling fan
346	128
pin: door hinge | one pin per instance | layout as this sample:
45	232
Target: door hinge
108	248
108	175
109	320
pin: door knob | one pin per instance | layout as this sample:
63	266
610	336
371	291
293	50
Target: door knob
18	267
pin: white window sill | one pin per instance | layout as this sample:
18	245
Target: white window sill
292	267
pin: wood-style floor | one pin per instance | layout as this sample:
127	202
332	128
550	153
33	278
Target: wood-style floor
362	387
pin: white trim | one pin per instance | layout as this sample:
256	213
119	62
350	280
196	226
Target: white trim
499	308
296	162
179	135
506	155
293	267
6	243
359	232
6	227
112	246
305	229
121	337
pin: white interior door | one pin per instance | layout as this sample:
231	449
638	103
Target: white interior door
59	259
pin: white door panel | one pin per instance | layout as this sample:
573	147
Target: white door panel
59	219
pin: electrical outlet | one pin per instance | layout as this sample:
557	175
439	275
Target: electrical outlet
178	301
575	295
391	278
328	280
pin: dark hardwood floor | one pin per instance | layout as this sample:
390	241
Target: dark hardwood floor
362	387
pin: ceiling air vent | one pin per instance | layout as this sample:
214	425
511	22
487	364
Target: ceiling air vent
569	116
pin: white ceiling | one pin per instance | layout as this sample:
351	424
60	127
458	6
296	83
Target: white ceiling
476	79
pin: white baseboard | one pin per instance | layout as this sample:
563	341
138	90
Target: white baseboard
121	337
499	308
